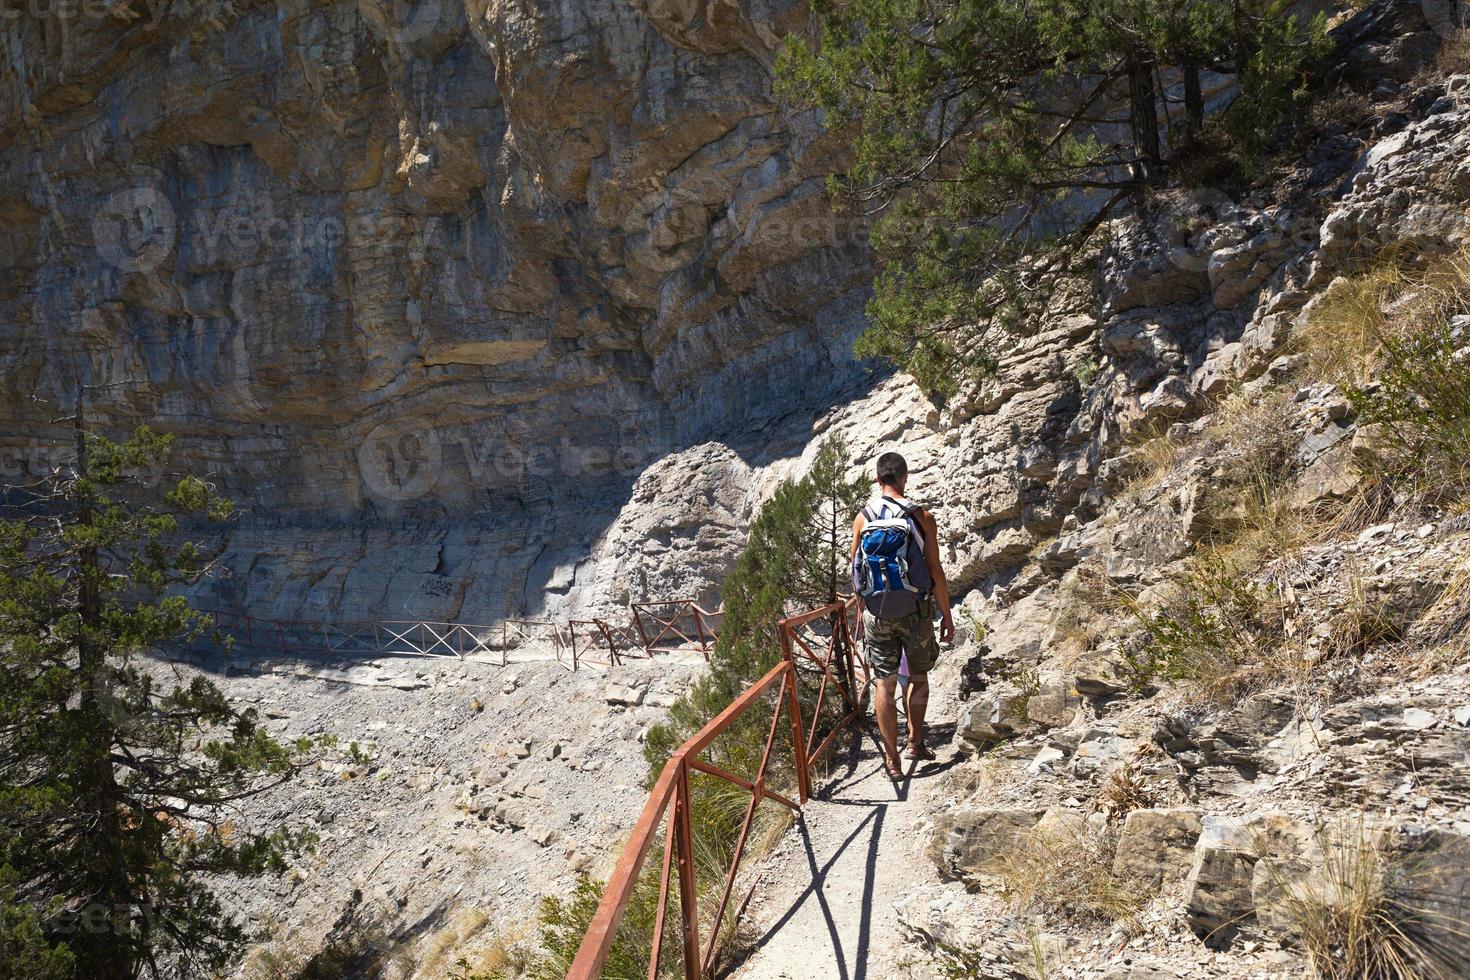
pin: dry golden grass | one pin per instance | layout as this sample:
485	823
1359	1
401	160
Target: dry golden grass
439	951
506	956
1444	627
1398	295
1342	331
1068	872
1088	608
1150	459
1342	107
1364	622
1454	54
1354	914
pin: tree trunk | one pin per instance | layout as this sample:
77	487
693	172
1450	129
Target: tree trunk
1194	101
103	951
1143	116
1242	44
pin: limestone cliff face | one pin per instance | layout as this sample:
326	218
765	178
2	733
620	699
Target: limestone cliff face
410	277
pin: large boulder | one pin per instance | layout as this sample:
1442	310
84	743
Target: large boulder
965	843
993	717
1156	846
1221	889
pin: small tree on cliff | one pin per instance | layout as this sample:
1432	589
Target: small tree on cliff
795	559
990	136
114	792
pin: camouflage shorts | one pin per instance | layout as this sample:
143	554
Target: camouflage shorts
887	640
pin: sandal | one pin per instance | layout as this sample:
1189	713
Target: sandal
895	772
921	752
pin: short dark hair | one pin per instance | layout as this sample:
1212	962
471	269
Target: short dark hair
891	469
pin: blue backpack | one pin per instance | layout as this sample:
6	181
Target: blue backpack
889	570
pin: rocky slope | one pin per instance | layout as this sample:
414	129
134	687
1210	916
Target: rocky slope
1119	820
457	794
1186	825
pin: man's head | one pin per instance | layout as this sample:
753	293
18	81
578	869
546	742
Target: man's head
892	471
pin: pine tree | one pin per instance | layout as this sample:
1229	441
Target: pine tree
795	559
115	792
992	137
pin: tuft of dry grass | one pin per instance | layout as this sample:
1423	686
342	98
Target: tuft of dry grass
435	950
1342	329
1444	627
1364	622
1340	109
1125	791
1454	54
1068	871
1150	458
1399	295
1354	915
1088	607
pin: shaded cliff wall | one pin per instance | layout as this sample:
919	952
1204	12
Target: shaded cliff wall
425	286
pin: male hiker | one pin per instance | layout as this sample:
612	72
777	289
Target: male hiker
895	569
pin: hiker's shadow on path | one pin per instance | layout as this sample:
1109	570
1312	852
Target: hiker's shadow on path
859	967
866	748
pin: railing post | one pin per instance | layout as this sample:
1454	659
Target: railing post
842	653
798	732
699	629
612	646
688	897
638	622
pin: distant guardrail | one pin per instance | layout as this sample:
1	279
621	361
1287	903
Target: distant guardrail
653	626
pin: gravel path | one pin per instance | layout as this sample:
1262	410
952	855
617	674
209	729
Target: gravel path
824	903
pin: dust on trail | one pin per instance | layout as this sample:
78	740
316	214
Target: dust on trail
823	905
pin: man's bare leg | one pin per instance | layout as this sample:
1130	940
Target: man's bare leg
887	711
916	706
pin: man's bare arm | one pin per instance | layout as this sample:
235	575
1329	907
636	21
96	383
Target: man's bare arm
936	573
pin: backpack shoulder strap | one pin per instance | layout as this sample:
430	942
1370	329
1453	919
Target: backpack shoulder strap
911	513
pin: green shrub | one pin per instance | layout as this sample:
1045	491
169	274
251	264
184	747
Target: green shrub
1421	400
1218	630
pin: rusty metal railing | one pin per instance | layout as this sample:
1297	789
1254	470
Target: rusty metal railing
598	642
657	622
806	651
409	638
825	641
531	632
591	642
